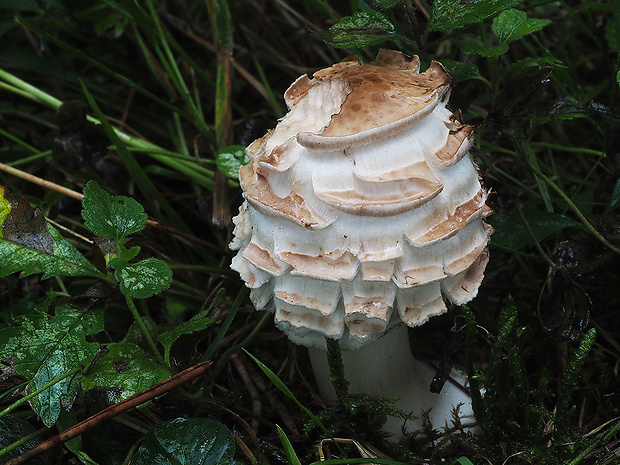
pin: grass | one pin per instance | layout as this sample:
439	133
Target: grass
176	87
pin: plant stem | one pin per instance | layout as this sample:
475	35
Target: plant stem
22	441
144	329
36	392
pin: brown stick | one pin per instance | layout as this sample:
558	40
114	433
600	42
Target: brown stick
112	411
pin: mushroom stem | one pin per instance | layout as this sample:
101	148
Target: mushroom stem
387	368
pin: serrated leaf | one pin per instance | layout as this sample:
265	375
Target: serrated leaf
197	323
107	216
43	348
362	29
123	371
28	244
463	71
455	14
513	24
192	441
144	279
511	233
471	45
230	159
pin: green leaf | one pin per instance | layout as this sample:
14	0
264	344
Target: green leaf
511	233
13	429
123	371
143	279
462	461
230	159
463	71
455	14
197	323
115	217
363	29
513	24
43	348
193	441
471	45
30	245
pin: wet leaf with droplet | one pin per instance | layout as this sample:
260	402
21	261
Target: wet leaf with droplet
455	14
28	244
123	371
513	24
111	216
44	347
362	29
230	159
195	441
143	279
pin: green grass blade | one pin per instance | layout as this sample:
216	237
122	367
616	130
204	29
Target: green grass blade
97	64
282	387
288	447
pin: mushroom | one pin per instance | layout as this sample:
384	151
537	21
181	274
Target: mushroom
363	211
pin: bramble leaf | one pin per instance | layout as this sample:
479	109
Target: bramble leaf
471	45
230	159
513	24
197	323
463	71
362	29
123	371
143	279
196	441
107	216
30	245
511	233
43	348
455	14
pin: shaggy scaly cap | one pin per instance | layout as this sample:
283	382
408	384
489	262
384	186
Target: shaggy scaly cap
363	200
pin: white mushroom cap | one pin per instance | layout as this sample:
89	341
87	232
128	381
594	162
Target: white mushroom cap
362	206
